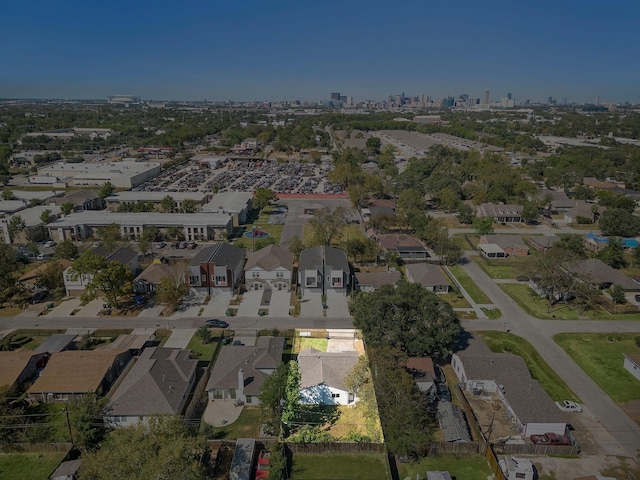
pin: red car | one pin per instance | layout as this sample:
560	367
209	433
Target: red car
550	439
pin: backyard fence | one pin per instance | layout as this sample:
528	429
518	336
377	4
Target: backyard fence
531	449
493	463
336	447
62	447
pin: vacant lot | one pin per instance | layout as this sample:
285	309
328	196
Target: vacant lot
504	342
29	466
463	468
339	466
600	355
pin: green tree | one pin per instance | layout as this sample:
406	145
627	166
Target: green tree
360	382
483	225
66	249
10	419
164	449
530	212
85	418
46	216
407	317
636	256
173	288
327	225
619	222
175	233
67	207
10	266
110	236
271	398
296	246
205	334
582	192
618	295
111	279
613	254
51	276
448	199
15	225
7	194
263	197
168	204
106	190
291	407
466	214
189	206
572	243
373	145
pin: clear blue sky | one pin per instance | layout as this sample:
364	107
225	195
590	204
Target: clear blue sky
304	49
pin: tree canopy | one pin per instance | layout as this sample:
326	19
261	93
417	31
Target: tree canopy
409	318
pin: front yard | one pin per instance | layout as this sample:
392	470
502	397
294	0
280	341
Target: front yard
339	466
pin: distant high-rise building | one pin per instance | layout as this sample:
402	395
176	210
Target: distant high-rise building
335	96
343	98
509	96
485	98
448	102
598	100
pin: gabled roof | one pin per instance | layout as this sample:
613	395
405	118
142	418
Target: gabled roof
377	279
329	368
633	357
33	274
506	241
154	273
390	241
510	372
545	241
156	384
426	274
500	210
270	257
123	255
78	197
266	355
311	258
75	371
221	254
452	422
595	271
12	365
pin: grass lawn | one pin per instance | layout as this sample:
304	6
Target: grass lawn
536	306
29	466
273	230
469	285
504	342
499	271
162	335
205	351
9	311
462	468
305	342
339	466
493	314
352	419
456	300
461	242
247	426
600	356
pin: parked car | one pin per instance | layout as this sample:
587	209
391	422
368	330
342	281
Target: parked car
550	439
569	406
182	245
193	245
160	245
522	278
444	393
50	244
215	323
637	298
39	297
175	245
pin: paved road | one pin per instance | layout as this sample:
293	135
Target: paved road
620	435
541	229
289	231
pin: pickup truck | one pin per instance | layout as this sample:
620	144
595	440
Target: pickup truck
550	439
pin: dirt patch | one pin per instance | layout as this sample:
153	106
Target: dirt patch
555	468
492	416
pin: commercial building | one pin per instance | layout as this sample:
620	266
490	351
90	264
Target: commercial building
126	174
236	204
194	226
115	200
34	228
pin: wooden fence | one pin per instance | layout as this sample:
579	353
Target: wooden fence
463	448
63	447
336	447
531	449
493	464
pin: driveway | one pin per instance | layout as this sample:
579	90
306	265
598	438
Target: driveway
180	338
620	435
289	231
65	308
280	303
338	306
250	303
217	306
311	306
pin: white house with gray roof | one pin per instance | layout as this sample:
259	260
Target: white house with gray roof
324	270
269	267
322	377
507	376
159	383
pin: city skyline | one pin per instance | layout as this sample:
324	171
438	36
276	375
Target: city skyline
286	51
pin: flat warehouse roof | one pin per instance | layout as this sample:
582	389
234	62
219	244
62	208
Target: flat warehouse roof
101	218
120	168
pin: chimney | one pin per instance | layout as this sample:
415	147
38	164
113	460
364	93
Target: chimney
240	393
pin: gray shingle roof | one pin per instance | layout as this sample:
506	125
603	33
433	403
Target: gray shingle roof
426	274
329	368
220	254
312	258
452	422
506	241
155	385
597	272
55	343
269	258
267	354
377	279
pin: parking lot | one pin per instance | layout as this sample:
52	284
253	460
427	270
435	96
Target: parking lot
244	175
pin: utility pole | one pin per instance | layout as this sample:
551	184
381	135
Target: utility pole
66	411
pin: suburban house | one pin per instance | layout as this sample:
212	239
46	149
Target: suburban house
67	470
632	364
269	267
17	368
491	250
377	207
597	242
322	376
506	377
34	228
452	423
149	279
560	202
407	247
75	284
323	270
83	199
429	276
600	275
217	268
438	475
30	279
241	370
158	383
542	243
423	372
581	210
501	213
512	245
371	281
73	373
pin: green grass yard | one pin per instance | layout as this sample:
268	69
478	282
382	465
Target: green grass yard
504	342
246	426
29	466
339	466
469	285
460	467
600	355
306	342
205	351
456	300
